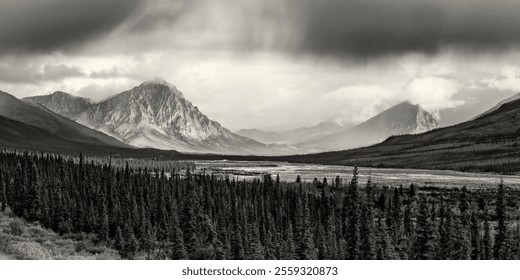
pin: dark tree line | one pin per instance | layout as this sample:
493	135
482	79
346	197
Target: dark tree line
145	213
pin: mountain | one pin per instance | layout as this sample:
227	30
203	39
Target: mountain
404	118
16	134
262	136
62	103
297	135
156	114
489	143
21	136
505	101
38	116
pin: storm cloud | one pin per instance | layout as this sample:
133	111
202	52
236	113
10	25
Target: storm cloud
381	27
53	25
266	63
337	28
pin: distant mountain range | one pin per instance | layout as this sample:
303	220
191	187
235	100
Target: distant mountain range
298	135
491	142
404	118
153	117
156	115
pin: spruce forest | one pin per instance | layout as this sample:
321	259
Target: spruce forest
175	212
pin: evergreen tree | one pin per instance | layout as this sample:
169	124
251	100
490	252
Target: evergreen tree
500	248
460	242
177	250
289	246
149	240
475	237
384	247
367	236
486	242
305	247
237	246
256	249
423	246
141	212
131	245
3	193
352	236
119	242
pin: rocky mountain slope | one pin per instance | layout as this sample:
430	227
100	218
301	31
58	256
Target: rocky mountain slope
62	103
155	114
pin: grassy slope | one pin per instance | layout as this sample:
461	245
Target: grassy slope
37	243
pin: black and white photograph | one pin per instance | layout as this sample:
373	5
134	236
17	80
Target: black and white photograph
235	130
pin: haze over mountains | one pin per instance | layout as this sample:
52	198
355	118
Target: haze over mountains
298	135
404	118
488	143
156	115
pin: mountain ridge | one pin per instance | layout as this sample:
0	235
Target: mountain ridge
403	118
39	116
499	104
155	114
489	143
62	103
294	136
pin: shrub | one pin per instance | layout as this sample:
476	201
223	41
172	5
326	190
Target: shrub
17	228
30	251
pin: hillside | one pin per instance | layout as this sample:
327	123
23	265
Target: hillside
38	116
20	136
489	143
403	118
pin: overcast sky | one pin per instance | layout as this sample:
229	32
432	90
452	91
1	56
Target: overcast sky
270	64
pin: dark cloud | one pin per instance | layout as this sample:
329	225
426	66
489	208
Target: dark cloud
160	14
366	28
19	73
50	25
355	28
338	28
